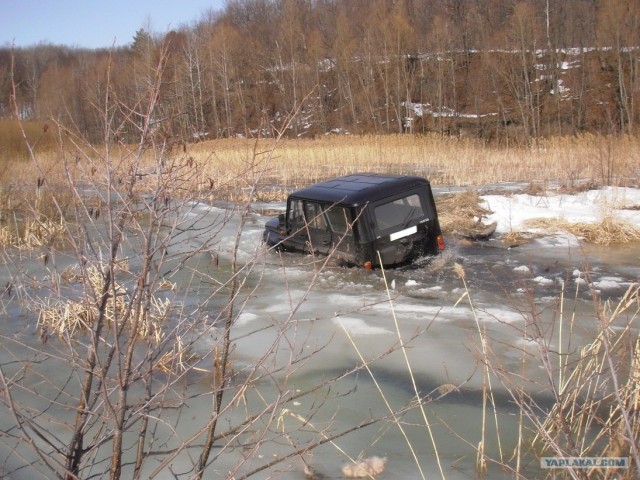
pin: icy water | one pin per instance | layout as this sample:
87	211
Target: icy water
309	325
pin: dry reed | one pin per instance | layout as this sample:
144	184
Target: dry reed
443	160
462	213
66	318
227	166
609	230
596	412
366	468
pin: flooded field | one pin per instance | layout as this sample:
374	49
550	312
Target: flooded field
373	342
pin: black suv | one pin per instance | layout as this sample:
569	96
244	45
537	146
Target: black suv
364	219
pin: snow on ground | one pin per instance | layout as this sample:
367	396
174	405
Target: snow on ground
512	212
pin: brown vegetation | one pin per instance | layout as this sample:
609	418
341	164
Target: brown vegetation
124	208
226	167
609	230
502	71
366	468
461	214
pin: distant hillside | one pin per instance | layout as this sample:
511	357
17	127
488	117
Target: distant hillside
498	70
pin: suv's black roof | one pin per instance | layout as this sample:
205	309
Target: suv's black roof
359	188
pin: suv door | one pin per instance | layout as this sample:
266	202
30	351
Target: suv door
308	227
319	234
340	222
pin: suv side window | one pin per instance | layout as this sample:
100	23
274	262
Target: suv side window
314	216
339	220
296	214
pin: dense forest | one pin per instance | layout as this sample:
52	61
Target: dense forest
500	70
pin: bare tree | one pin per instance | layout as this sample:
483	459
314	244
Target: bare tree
618	27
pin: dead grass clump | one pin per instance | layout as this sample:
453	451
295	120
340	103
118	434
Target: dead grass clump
266	195
366	468
33	217
461	214
598	408
37	234
7	237
515	238
574	187
67	318
536	188
177	360
460	208
609	230
447	388
32	234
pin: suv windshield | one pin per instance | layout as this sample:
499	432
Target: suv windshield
398	212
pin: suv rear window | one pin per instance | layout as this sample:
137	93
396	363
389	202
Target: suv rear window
398	212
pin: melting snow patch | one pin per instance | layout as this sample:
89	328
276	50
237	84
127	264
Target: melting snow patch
607	283
543	281
612	279
431	292
245	318
498	315
544	300
560	240
512	212
523	269
356	326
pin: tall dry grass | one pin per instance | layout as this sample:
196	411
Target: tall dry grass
227	168
12	145
228	164
605	232
448	161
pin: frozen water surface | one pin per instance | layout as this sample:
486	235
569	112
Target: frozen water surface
331	320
